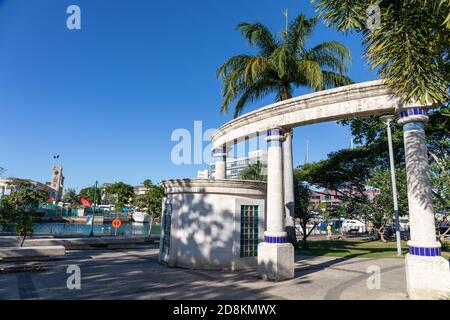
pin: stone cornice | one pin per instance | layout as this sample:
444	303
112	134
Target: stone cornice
239	187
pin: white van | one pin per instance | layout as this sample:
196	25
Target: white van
353	226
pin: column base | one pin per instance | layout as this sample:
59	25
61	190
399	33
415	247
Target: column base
427	278
275	261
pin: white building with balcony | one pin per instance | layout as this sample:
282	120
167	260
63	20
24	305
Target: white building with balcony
235	165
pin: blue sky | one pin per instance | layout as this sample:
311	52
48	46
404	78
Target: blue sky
108	97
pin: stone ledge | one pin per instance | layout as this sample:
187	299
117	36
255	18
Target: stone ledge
33	253
83	243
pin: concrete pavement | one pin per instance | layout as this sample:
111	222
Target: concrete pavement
136	274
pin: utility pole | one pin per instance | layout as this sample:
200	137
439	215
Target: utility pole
307	152
93	209
387	121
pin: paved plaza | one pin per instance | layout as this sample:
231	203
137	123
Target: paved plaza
136	274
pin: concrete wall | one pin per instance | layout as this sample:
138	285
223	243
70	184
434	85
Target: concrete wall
206	222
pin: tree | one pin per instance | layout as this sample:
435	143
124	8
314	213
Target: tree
20	207
302	195
345	171
254	171
409	48
371	132
281	64
124	194
380	210
89	192
151	200
72	197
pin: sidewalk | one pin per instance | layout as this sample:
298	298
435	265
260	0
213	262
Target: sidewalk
136	274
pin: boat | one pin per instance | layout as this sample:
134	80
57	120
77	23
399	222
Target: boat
142	217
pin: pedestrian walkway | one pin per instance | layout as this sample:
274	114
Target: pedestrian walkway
136	274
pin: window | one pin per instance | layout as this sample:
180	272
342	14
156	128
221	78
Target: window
167	223
249	231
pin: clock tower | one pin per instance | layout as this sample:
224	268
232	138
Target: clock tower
57	182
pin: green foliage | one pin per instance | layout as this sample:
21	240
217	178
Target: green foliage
345	171
123	193
350	173
302	195
19	208
254	171
410	47
382	207
281	64
372	133
72	197
89	192
151	201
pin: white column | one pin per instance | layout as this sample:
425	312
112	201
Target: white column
427	273
420	201
221	163
275	199
288	173
275	255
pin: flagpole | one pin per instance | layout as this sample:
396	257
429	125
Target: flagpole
93	210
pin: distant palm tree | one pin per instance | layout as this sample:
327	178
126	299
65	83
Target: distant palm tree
254	171
72	197
282	64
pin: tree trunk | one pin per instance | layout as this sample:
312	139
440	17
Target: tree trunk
305	242
381	233
284	93
23	239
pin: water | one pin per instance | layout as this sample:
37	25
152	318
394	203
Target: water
72	229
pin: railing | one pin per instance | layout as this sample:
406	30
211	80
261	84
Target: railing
72	229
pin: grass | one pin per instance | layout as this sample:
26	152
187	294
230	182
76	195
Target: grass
356	248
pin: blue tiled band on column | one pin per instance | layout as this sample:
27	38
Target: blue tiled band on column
414	126
413	112
275	239
220	151
425	252
274	132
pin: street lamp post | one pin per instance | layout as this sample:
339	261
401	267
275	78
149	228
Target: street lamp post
93	210
387	120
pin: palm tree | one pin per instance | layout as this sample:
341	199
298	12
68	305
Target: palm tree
409	46
254	171
281	64
72	197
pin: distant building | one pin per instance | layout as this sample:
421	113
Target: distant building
7	187
54	188
235	165
139	190
327	199
203	174
57	183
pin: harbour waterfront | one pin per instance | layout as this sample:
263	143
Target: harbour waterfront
72	229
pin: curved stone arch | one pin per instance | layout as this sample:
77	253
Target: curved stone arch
356	100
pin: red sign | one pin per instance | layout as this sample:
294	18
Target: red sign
116	223
86	202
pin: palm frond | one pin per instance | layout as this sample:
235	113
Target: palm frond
332	55
298	32
257	34
309	74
